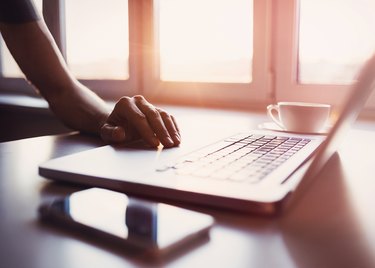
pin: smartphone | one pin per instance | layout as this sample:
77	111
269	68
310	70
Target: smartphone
155	228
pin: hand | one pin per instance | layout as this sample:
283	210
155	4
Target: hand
134	118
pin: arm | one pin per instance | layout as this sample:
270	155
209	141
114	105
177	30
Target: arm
37	55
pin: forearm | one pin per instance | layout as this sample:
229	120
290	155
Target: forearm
37	55
132	117
80	109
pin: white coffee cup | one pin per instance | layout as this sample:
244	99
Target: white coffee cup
300	116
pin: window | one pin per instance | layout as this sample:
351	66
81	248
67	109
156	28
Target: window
8	64
320	46
226	53
216	46
333	47
97	44
9	67
208	52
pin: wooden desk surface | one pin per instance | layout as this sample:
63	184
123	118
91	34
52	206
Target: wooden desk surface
332	225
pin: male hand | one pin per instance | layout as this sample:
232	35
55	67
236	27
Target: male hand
134	118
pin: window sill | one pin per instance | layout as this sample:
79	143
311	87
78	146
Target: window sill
24	116
15	102
23	103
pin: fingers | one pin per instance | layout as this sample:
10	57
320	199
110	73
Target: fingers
128	110
112	134
152	124
159	121
170	125
176	126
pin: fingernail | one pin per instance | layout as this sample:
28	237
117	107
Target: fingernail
155	142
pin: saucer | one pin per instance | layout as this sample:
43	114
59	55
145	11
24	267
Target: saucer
272	126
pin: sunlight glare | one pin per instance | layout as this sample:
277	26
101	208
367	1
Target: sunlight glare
97	38
206	41
335	38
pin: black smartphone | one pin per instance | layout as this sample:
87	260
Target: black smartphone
152	227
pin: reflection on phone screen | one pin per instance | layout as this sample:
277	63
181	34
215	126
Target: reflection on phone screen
137	222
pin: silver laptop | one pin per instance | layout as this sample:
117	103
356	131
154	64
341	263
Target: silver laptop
257	171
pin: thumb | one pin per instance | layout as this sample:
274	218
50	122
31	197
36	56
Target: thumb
112	134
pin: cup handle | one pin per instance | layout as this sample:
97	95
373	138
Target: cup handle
270	109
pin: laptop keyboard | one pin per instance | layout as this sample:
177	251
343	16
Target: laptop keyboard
240	158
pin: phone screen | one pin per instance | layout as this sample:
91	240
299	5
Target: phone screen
136	222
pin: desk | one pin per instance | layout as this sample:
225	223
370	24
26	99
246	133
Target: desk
332	225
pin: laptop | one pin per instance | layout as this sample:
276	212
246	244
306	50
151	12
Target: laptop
283	164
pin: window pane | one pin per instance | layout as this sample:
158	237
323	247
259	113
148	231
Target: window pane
9	65
206	41
97	38
335	38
